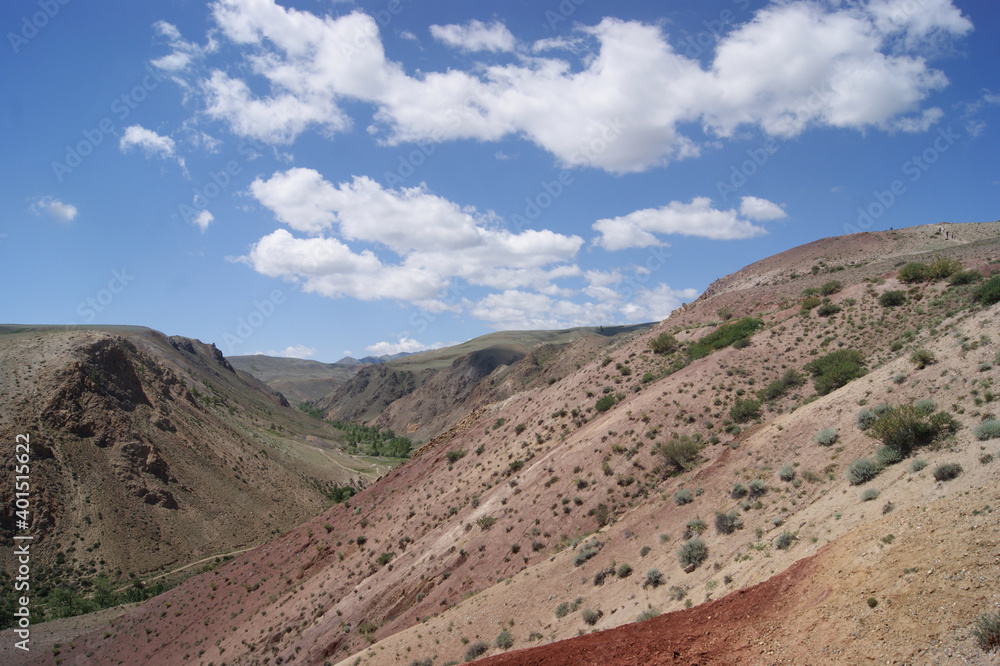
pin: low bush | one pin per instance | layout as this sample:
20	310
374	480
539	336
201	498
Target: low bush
964	277
869	494
922	358
913	272
865	419
625	570
828	309
786	473
739	491
664	343
947	471
925	407
693	553
682	497
887	455
784	541
836	369
591	616
654	579
831	287
504	640
892	298
826	437
917	465
988	429
680	454
744	410
943	267
724	336
862	471
903	428
988	292
647	614
605	403
986	631
727	523
779	387
810	303
757	488
694	527
476	650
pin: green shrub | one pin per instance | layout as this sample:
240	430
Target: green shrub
918	465
680	454
903	428
913	272
810	303
784	541
892	298
504	640
865	419
562	610
836	369
791	379
869	494
943	267
887	455
694	527
724	336
965	277
757	488
831	287
744	410
862	471
826	437
947	471
591	616
585	553
682	497
925	407
727	523
476	650
664	343
654	579
625	570
828	309
738	491
988	429
921	358
988	292
986	631
693	553
605	403
786	473
454	455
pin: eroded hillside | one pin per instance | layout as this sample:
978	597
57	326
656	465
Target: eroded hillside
149	453
644	483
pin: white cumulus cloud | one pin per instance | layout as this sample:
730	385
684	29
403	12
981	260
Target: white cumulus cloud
403	345
292	351
53	209
696	218
476	36
149	141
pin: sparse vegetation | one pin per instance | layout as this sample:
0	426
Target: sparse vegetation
504	640
988	292
784	541
654	579
591	616
683	496
664	343
724	336
680	454
476	650
892	298
869	494
727	523
988	429
921	358
744	410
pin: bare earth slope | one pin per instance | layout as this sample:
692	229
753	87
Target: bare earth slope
149	452
522	517
299	380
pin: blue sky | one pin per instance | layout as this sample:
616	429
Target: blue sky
319	178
